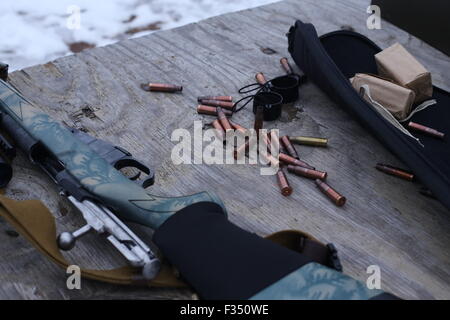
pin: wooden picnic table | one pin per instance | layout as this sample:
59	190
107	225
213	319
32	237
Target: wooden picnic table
385	222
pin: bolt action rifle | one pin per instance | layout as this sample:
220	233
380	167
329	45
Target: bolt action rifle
86	170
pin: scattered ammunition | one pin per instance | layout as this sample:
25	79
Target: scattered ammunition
266	141
281	149
294	162
393	171
289	147
307	173
212	111
217	103
271	160
223	120
243	149
238	127
273	135
259	119
427	130
161	87
286	66
283	183
220	132
220	98
260	78
273	141
334	196
427	192
309	141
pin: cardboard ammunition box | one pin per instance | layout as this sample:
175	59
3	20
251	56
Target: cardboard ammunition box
398	64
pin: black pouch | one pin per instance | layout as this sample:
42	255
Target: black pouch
272	95
329	61
286	86
271	103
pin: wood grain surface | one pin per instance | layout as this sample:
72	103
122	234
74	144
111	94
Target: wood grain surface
385	222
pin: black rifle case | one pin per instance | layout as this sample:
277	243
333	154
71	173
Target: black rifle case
330	60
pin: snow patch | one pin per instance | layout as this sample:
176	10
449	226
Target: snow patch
34	32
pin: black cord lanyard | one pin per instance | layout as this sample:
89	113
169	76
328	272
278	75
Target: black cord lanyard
254	86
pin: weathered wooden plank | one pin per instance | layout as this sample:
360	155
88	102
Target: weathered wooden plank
385	221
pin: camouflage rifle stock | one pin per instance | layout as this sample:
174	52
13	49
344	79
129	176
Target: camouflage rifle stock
87	171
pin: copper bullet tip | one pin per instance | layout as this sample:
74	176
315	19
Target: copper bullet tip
286	66
260	78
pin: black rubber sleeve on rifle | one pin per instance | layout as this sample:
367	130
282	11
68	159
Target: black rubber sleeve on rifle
217	258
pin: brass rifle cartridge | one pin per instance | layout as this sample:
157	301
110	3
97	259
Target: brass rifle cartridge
286	66
309	141
427	130
283	183
212	111
220	132
223	120
307	173
295	162
284	140
393	171
238	127
217	103
220	98
333	195
260	78
161	87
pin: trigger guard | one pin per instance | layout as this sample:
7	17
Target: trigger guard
147	182
133	163
130	162
135	177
